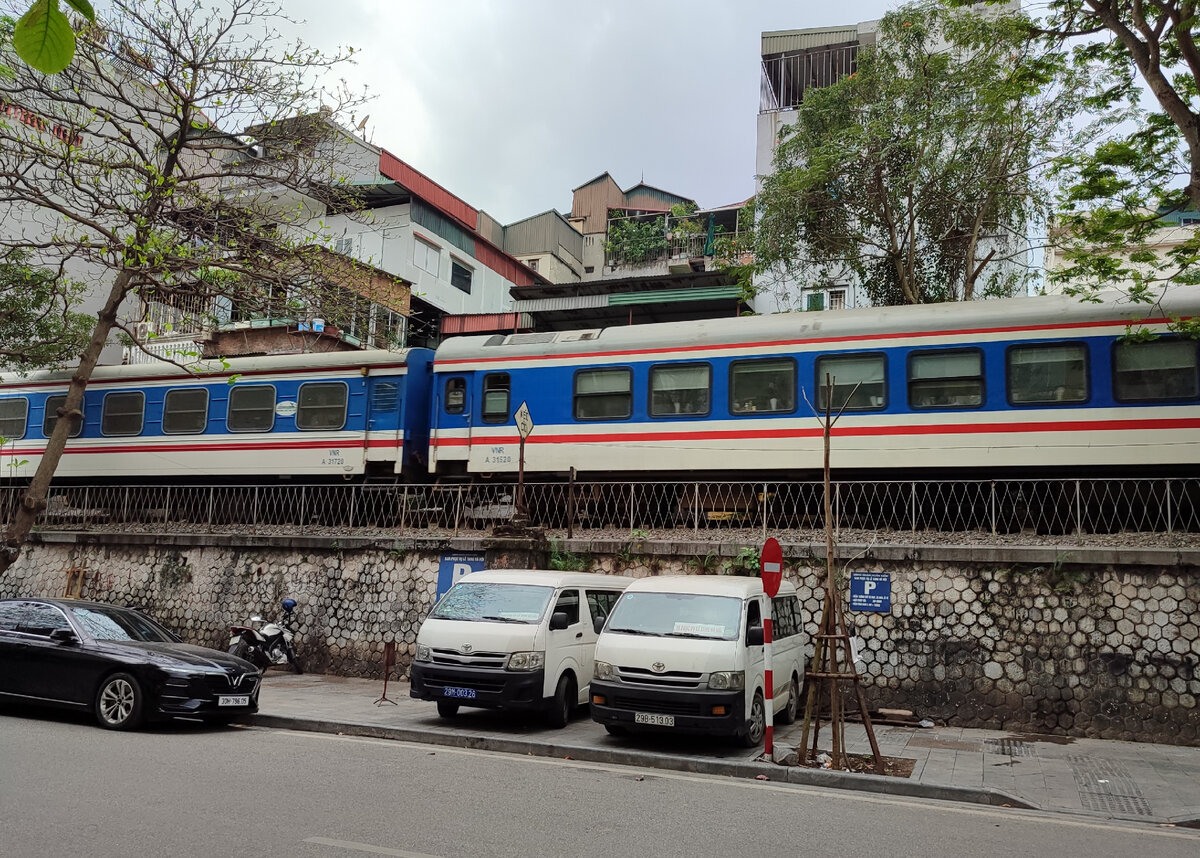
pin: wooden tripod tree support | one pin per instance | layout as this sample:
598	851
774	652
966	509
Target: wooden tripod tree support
833	660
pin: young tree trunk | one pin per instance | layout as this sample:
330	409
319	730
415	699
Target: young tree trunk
34	499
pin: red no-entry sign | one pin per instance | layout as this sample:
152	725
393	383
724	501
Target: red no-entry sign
771	561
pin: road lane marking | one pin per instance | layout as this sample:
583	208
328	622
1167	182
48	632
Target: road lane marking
1009	814
367	847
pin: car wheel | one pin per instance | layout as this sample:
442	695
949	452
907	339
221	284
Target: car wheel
616	730
119	702
560	707
447	708
788	714
756	723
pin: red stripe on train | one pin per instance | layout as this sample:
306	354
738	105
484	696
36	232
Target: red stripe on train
213	446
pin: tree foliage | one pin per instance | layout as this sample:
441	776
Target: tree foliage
39	328
918	175
44	38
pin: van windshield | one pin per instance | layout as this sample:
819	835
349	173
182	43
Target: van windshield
494	603
678	615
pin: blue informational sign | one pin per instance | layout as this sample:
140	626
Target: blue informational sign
454	566
871	591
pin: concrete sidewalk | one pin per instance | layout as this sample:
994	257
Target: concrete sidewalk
1119	780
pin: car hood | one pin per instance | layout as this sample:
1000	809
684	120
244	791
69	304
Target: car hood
181	655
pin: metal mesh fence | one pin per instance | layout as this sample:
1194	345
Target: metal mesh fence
1110	511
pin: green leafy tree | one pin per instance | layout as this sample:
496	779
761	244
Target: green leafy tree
919	175
43	36
124	166
40	330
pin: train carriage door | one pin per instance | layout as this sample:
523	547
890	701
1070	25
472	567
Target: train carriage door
385	431
451	420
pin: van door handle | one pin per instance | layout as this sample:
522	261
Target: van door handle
578	635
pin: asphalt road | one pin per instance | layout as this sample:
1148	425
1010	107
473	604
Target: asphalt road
69	788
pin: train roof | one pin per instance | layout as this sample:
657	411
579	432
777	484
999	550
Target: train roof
230	366
952	317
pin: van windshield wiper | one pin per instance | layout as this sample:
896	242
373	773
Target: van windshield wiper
690	635
503	619
633	632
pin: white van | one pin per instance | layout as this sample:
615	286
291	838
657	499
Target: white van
513	639
685	653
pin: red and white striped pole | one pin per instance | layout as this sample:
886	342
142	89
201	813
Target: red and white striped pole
771	560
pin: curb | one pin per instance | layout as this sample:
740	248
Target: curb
880	784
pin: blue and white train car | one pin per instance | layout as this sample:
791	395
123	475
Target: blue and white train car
1042	385
335	414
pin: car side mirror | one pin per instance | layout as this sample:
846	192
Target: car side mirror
558	620
754	636
598	623
63	636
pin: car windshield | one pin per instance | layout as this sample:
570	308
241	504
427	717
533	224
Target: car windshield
680	615
488	602
116	624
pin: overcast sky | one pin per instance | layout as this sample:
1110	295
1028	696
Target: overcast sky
510	104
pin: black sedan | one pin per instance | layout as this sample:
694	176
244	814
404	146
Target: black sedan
117	663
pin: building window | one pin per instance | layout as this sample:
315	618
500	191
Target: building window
344	246
837	299
603	394
14	414
1157	371
322	405
680	389
532	263
762	386
185	411
589	269
426	256
251	409
1050	374
859	383
460	276
945	379
815	301
496	389
50	417
455	401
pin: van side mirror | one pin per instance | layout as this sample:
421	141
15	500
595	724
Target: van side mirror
598	622
754	636
558	620
63	636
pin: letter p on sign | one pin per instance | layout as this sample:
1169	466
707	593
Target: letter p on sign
771	561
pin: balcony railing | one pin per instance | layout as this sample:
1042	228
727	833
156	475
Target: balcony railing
786	78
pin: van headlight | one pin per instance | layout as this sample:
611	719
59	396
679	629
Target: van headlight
727	680
603	670
526	661
423	653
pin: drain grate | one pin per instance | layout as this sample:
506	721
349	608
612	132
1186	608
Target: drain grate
1107	786
1008	747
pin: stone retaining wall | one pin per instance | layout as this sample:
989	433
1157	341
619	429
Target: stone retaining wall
1050	643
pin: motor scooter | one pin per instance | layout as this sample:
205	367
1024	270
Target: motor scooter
264	644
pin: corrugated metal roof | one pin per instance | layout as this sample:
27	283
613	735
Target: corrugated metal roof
570	302
485	323
779	41
674	296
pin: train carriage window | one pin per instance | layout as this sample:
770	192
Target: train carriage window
322	405
50	417
945	379
14	415
251	408
122	413
762	385
1157	371
456	396
497	387
1047	374
185	411
603	394
866	372
680	389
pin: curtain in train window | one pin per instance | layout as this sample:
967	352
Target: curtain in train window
1050	374
14	414
50	417
1162	369
121	413
185	411
496	389
945	379
322	405
867	373
762	385
680	389
251	408
603	394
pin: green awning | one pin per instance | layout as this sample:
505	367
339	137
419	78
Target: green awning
674	296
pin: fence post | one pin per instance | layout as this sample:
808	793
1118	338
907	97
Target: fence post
458	508
1169	511
212	499
571	505
403	509
993	506
1078	508
303	505
353	498
914	506
169	516
631	488
766	500
255	510
696	510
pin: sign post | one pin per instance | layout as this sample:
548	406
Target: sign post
524	422
771	562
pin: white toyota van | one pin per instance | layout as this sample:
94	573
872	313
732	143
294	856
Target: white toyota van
685	653
513	639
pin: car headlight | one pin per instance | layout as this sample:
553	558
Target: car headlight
603	670
183	672
423	653
526	660
727	680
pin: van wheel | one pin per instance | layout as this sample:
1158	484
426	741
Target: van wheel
756	723
560	707
447	708
788	714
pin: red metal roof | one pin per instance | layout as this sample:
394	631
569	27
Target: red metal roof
482	323
428	190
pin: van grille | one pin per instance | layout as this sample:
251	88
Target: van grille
488	683
473	659
654	704
666	679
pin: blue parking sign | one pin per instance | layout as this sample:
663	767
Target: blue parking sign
454	566
871	591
